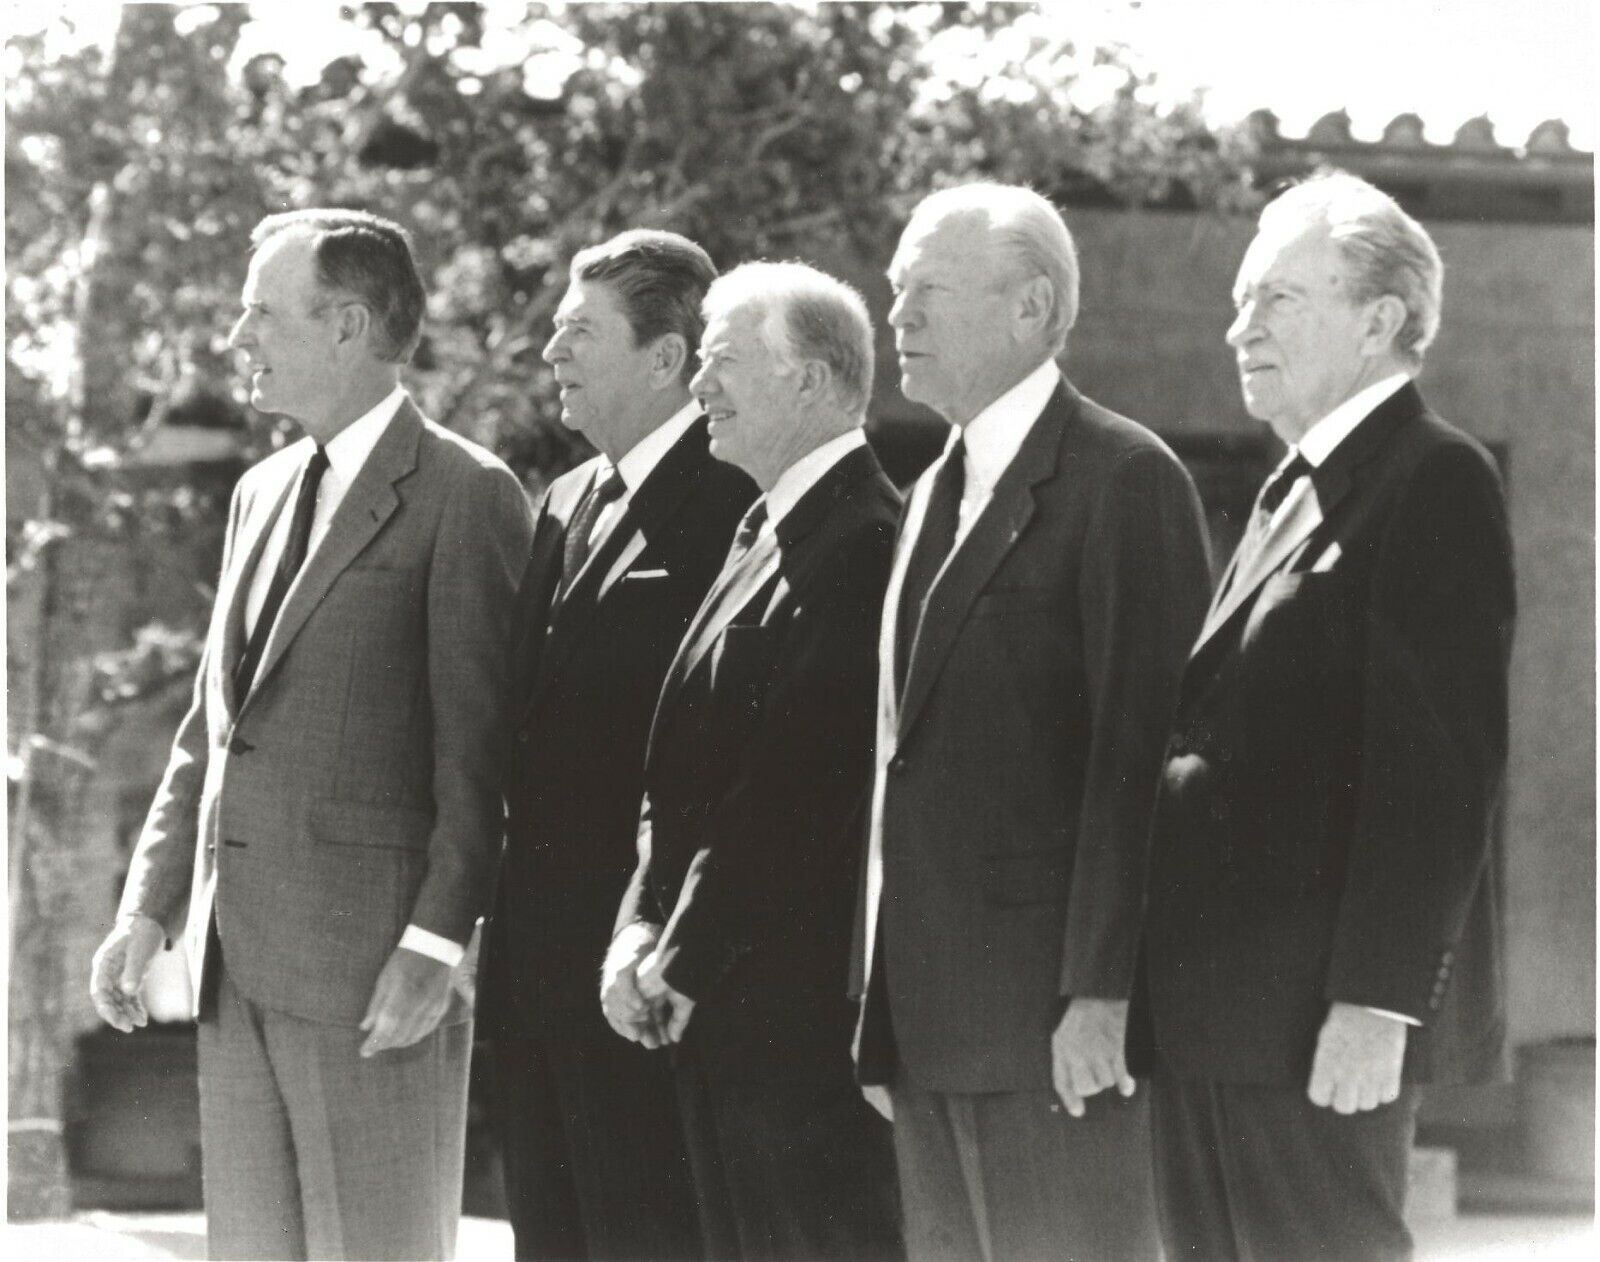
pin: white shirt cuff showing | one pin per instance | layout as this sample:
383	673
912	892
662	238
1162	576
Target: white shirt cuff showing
432	945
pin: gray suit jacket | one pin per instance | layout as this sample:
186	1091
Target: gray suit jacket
354	790
1015	778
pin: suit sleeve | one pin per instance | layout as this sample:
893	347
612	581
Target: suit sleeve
1145	583
1434	727
482	544
787	826
162	870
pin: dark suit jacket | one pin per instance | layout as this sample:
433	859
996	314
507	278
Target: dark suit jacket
586	687
1325	812
758	766
354	790
1020	771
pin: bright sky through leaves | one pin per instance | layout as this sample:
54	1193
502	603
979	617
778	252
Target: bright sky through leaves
1447	60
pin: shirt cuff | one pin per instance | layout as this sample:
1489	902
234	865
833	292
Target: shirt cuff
432	945
1397	1016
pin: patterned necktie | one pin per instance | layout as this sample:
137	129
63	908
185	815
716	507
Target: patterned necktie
937	537
289	563
607	488
1273	493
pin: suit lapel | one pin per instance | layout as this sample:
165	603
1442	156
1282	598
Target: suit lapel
976	557
367	505
649	510
234	595
734	589
1312	505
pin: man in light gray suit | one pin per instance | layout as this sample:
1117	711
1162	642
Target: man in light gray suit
325	836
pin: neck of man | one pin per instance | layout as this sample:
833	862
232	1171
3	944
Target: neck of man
1008	376
793	443
361	392
655	410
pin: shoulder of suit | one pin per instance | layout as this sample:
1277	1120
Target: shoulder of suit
454	451
1102	431
1428	438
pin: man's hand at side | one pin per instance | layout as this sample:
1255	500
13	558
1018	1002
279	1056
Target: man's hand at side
1086	1051
627	1011
1358	1060
672	1008
410	999
118	971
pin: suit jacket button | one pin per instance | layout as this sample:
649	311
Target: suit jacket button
523	737
897	764
238	745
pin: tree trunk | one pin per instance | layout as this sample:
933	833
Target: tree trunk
47	825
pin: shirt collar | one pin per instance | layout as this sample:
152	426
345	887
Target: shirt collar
993	436
643	457
349	448
1319	441
806	472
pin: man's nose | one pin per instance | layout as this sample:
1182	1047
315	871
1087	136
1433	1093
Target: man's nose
1243	329
239	335
900	312
554	349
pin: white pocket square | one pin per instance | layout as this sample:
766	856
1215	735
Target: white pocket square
633	574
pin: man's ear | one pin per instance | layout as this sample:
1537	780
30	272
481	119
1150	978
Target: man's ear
1035	303
668	357
1385	317
816	379
353	323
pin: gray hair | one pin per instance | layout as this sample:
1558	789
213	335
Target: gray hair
1385	250
368	257
805	314
1028	229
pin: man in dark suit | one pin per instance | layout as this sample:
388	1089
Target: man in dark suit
624	548
1050	575
756	777
325	836
1322	926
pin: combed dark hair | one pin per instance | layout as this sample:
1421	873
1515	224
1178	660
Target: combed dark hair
367	257
661	279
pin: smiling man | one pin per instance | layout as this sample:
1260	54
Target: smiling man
325	836
1322	928
625	546
756	775
1050	577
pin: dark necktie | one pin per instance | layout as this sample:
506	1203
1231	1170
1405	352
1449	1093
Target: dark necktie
290	560
607	488
934	541
749	530
1273	493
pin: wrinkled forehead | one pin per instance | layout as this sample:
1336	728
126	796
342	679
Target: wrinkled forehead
945	239
733	329
282	267
1289	251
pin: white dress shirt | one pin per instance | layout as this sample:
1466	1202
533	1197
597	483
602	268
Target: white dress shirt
637	465
805	473
347	452
1319	442
993	437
